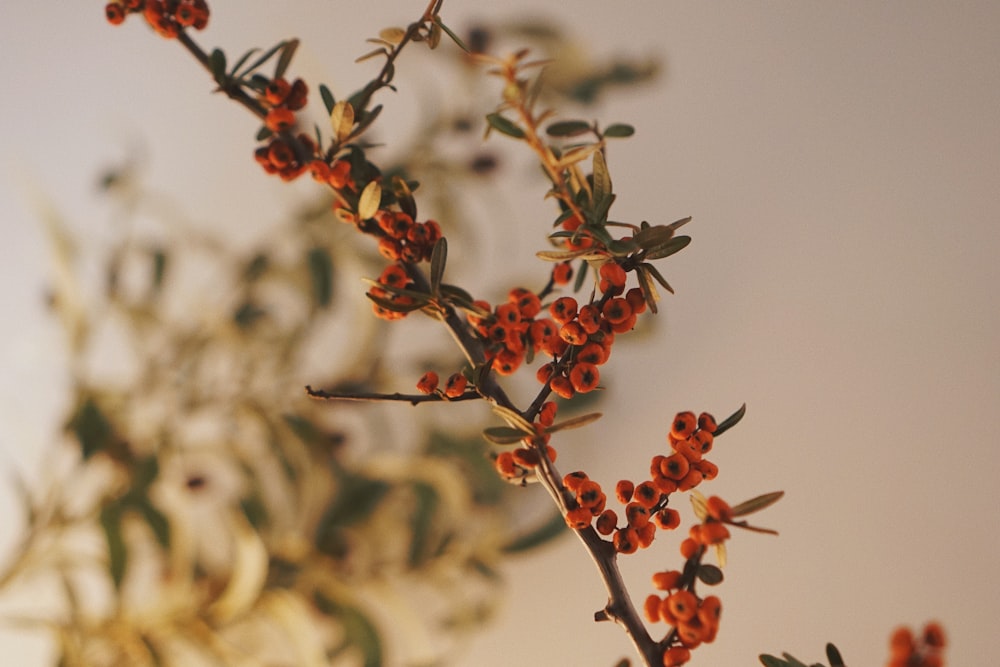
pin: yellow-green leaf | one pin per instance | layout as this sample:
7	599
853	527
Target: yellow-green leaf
370	200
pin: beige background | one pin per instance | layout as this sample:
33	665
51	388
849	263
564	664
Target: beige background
842	163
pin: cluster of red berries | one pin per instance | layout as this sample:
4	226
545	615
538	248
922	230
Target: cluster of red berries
454	386
646	503
403	238
515	465
695	620
925	650
166	17
394	276
513	328
590	331
278	156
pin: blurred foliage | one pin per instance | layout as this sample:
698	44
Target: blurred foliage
201	509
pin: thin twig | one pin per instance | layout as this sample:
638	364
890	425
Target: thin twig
412	399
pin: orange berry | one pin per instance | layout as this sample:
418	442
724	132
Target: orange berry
115	13
589	318
626	540
710	533
506	466
623	491
563	309
719	509
616	310
526	458
589	493
584	377
455	386
706	422
573	480
578	518
703	440
508	314
279	119
636	515
651	608
691	480
636	300
614	274
573	333
934	635
709	470
562	273
646	494
607	522
276	91
547	415
709	612
625	325
592	353
428	382
689	548
528	303
647	534
561	386
684	425
507	361
667	518
676	656
667	580
683	605
675	467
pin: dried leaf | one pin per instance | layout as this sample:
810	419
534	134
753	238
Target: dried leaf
758	503
503	435
370	200
575	422
342	120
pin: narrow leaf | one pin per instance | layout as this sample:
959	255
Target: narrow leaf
771	661
514	418
833	655
239	63
404	196
263	58
563	255
673	246
619	130
649	292
111	523
503	435
568	128
328	100
397	307
321	275
602	179
285	59
455	38
758	503
504	126
730	421
439	256
653	271
575	422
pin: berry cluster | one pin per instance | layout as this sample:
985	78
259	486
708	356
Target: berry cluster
511	330
908	650
588	332
166	17
516	465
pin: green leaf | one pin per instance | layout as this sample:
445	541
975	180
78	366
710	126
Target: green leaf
575	422
156	520
504	126
247	314
321	275
709	574
793	661
425	504
111	523
581	276
568	128
546	531
92	429
602	180
439	257
285	59
366	118
159	268
217	63
653	271
649	292
359	631
730	421
503	435
263	58
328	99
674	245
456	295
455	38
757	504
771	661
239	63
397	307
833	655
264	133
306	431
619	130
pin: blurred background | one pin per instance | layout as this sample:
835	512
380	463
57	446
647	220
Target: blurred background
841	162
